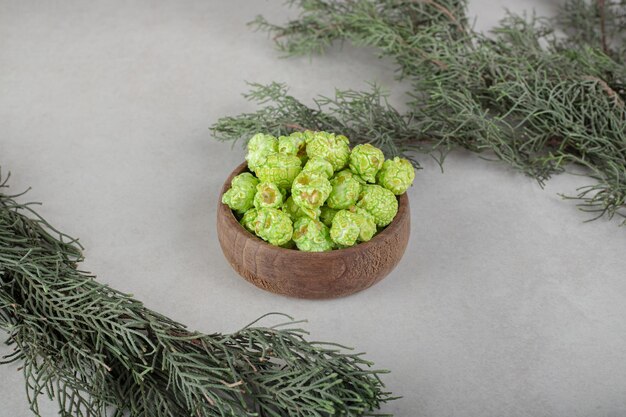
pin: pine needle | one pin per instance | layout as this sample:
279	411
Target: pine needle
99	352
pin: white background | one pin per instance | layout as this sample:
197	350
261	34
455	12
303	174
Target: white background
505	304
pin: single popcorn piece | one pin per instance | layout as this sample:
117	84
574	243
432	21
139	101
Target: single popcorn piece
248	220
273	226
281	169
345	229
245	179
335	149
396	175
310	190
379	202
294	144
312	235
327	214
240	196
366	223
319	165
295	211
259	147
268	195
366	160
345	192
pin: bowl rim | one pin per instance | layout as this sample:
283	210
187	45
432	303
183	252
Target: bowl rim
388	231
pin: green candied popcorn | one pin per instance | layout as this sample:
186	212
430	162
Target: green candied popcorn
268	195
357	177
327	214
366	160
273	225
295	211
240	196
312	235
345	192
310	190
345	229
294	144
366	223
245	179
259	147
280	169
396	175
334	149
379	202
309	135
248	220
319	165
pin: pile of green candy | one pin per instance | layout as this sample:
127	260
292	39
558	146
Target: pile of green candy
312	192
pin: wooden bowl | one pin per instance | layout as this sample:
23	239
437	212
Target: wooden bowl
311	274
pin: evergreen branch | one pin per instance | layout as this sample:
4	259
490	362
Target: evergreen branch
362	116
599	24
602	12
534	100
98	351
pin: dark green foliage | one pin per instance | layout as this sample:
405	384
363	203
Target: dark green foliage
97	350
537	101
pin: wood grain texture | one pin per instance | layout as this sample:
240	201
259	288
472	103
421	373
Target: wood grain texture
311	275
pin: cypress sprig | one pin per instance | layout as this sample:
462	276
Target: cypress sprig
538	101
99	352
